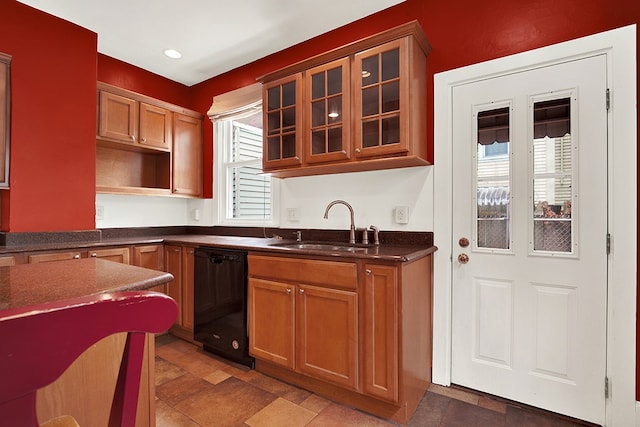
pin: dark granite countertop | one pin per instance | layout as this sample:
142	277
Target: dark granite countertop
32	284
387	252
394	246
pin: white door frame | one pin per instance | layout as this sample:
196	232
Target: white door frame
620	47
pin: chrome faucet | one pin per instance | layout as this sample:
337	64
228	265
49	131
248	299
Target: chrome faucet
352	228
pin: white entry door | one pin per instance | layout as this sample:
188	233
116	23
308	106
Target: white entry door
530	237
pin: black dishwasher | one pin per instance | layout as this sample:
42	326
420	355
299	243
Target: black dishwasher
220	303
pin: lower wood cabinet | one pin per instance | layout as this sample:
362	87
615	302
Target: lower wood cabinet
358	331
150	256
179	262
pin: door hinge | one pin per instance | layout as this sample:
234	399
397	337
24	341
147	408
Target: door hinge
608	95
608	243
606	387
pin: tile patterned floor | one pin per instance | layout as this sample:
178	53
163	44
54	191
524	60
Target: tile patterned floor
194	389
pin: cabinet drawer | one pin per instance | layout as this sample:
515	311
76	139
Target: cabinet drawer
311	271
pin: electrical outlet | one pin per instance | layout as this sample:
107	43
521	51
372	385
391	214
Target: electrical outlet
99	212
293	214
402	214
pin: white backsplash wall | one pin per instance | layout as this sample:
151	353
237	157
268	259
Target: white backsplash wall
374	195
139	211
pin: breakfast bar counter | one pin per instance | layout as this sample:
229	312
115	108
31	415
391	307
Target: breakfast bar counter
33	284
85	389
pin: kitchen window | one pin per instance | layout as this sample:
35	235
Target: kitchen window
244	195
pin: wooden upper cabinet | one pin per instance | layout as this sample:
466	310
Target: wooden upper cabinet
381	106
187	155
364	108
147	146
327	107
118	118
282	102
155	126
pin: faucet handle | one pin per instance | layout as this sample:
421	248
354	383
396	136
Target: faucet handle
298	235
376	237
365	236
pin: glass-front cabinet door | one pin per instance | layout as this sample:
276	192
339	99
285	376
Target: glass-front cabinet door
282	118
381	100
328	112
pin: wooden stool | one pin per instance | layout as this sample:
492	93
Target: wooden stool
38	343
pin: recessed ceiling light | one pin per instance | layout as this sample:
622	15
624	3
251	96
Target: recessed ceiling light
173	54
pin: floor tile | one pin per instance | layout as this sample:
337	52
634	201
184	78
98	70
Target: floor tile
228	404
338	415
181	388
462	414
281	413
315	403
430	411
198	389
166	416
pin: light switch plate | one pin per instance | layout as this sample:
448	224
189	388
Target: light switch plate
293	214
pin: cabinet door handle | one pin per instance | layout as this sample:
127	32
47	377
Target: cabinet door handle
288	291
367	271
76	256
358	150
133	138
301	291
94	255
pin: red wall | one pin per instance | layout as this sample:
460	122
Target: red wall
53	101
53	81
461	33
129	77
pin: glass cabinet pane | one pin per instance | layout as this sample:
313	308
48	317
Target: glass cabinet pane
288	94
370	71
380	95
326	109
334	81
282	127
273	98
391	65
391	97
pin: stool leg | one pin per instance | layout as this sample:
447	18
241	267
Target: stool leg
125	398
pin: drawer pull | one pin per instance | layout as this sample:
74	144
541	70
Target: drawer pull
94	255
76	256
367	271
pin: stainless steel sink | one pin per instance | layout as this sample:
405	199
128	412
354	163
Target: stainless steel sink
332	247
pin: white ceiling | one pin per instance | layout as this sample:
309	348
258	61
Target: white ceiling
214	36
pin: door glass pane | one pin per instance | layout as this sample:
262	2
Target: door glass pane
552	177
493	170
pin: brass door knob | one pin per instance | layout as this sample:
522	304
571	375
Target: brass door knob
463	258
